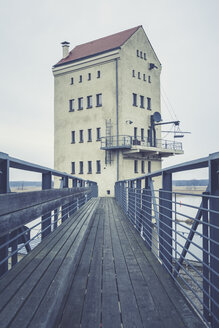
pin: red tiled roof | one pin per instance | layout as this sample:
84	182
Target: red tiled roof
98	46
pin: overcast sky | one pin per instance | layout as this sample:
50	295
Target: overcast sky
183	33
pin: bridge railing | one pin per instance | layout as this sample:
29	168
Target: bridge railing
28	217
181	229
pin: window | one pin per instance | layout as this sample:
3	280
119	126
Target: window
71	105
89	76
89	101
98	167
144	77
135	133
149	166
142	167
98	74
149	79
81	166
73	167
89	135
142	134
145	56
89	167
133	73
137	53
80	103
99	100
98	134
72	136
108	192
149	103
135	166
141	54
139	75
134	96
80	78
142	101
72	80
81	136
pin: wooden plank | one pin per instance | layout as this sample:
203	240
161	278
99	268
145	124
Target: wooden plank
73	307
129	308
110	299
41	263
91	316
180	312
146	305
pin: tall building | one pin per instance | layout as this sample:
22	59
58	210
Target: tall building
107	110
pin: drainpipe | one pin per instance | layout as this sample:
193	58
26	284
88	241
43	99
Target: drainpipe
117	119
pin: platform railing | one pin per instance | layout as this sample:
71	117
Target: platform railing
181	229
26	218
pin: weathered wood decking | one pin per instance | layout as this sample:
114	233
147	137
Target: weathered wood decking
114	280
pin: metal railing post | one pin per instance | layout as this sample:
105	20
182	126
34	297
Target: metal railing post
147	214
64	210
138	205
46	219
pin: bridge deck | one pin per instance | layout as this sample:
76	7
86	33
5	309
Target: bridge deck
119	283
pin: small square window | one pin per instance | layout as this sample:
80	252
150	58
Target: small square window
133	73
89	135
71	105
80	78
72	80
135	166
81	136
73	167
80	103
139	75
148	103
89	101
134	97
89	167
98	134
98	167
99	100
108	192
89	76
73	137
142	101
81	166
98	74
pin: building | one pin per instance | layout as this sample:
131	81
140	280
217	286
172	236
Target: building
107	105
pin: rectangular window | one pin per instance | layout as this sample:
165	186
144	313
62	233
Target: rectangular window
145	56
98	74
73	167
142	134
72	80
81	166
135	133
144	77
135	166
98	167
149	103
142	101
71	105
149	79
149	166
81	136
72	136
89	167
137	53
80	103
133	73
89	101
134	97
80	78
141	54
142	166
89	135
99	100
98	134
139	75
89	76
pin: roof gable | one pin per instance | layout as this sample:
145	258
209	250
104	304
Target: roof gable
98	46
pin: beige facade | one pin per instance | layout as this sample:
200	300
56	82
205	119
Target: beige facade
112	95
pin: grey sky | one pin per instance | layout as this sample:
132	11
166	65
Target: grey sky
184	34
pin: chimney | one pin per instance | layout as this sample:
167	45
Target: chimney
65	48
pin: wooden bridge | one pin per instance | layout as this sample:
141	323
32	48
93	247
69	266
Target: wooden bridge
105	262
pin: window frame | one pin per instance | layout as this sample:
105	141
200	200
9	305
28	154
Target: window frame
89	77
99	100
72	81
148	103
134	99
89	135
80	103
142	134
89	167
142	166
135	166
81	167
98	74
142	101
72	167
71	105
98	131
80	79
81	136
98	167
73	137
89	102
